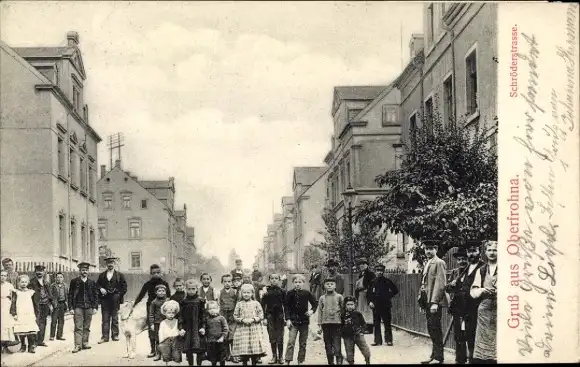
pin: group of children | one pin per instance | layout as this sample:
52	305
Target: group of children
225	326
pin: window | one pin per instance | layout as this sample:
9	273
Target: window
126	201
448	100
92	246
430	24
134	228
348	182
72	166
471	82
73	238
413	122
108	200
102	230
61	156
92	181
342	183
353	112
83	173
389	115
76	98
84	241
144	204
135	260
62	233
429	110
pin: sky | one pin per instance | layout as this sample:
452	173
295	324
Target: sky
227	97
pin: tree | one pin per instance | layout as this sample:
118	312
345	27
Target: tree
104	252
312	256
332	243
445	190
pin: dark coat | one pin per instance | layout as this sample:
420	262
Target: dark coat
191	319
368	277
462	304
381	291
92	291
54	295
35	286
274	301
118	285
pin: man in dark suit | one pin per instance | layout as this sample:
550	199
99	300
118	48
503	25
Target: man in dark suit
332	267
457	305
315	282
83	298
433	286
42	298
112	287
381	291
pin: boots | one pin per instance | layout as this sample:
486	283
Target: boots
22	344
274	359
31	343
281	353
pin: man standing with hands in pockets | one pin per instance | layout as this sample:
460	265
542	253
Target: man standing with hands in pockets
83	298
112	287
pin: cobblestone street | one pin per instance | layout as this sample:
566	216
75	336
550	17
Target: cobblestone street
408	349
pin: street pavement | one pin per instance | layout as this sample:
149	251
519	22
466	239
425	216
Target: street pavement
407	349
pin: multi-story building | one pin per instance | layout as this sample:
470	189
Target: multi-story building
181	241
309	188
288	249
48	159
190	251
138	223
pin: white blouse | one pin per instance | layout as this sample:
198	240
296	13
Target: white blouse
477	288
168	329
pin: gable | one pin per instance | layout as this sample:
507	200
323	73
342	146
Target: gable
77	61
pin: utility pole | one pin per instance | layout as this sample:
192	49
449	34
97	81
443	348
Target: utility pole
115	141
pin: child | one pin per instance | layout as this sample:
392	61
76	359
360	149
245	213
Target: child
59	292
192	322
298	317
169	333
227	302
273	306
206	292
149	290
217	332
248	335
23	310
329	311
236	284
7	293
155	316
179	287
353	328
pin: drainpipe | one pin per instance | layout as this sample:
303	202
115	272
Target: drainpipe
453	77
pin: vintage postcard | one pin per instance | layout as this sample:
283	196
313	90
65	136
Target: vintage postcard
319	183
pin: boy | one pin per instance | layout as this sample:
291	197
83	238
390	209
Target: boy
206	291
227	301
382	290
273	306
353	327
59	292
155	316
330	308
149	290
298	317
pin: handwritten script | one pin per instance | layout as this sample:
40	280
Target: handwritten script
548	123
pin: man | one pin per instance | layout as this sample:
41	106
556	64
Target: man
361	293
381	291
315	282
112	287
42	299
83	298
433	293
256	274
332	266
8	266
238	269
463	307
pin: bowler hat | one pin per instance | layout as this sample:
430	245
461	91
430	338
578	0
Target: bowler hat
461	252
429	243
362	260
85	265
331	262
472	244
39	268
379	267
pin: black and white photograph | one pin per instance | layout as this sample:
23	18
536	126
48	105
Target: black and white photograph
249	183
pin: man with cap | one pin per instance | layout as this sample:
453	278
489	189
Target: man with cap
238	269
83	298
112	288
457	304
332	267
8	266
381	291
42	299
433	290
361	292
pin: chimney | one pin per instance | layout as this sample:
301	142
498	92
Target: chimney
72	38
103	170
118	163
416	44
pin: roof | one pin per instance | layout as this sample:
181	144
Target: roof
44	51
368	107
307	175
163	184
365	93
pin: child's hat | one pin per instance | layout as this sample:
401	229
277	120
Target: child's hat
160	286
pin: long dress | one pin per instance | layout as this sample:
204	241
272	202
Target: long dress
7	321
26	319
486	332
191	319
362	302
248	339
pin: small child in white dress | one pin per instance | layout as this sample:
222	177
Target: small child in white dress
6	321
25	325
170	337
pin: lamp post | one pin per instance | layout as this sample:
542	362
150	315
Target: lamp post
348	196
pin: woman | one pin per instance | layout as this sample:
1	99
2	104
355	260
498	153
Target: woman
365	278
484	288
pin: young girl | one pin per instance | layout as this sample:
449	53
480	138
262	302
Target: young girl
206	292
179	287
248	336
169	333
7	321
192	322
217	332
25	325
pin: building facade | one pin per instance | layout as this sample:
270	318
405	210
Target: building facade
309	189
48	159
138	223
